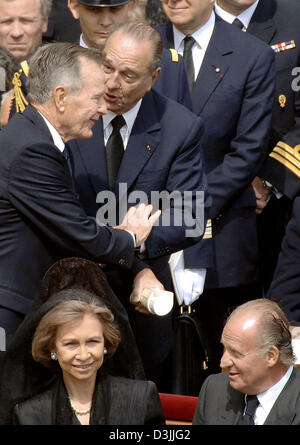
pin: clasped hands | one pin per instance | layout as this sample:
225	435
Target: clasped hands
262	194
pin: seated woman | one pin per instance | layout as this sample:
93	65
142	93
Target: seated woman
68	379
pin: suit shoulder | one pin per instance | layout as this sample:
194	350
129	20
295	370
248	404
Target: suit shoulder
167	105
170	55
35	410
244	41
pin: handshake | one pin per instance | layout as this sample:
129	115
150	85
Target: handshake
139	221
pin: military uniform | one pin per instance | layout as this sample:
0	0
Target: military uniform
276	22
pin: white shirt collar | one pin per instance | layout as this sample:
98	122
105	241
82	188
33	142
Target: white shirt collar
269	397
58	142
129	117
82	42
202	35
244	17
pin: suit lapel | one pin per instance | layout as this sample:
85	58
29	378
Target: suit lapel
261	24
93	155
285	407
142	143
32	114
214	67
234	407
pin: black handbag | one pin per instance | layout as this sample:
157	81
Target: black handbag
189	369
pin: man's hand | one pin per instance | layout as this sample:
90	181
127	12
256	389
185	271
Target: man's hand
139	221
261	193
144	279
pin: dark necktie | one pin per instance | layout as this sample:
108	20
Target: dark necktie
114	150
188	60
251	405
238	23
67	156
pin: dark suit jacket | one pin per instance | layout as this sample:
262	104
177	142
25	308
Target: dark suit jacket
172	162
131	402
172	80
275	22
220	404
62	27
41	219
285	287
233	93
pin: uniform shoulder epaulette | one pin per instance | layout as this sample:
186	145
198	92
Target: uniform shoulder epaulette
174	55
18	96
287	156
208	230
25	67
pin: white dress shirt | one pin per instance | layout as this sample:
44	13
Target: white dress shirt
192	280
57	139
244	17
82	42
268	398
125	131
202	37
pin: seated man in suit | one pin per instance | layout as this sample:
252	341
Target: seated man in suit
160	154
41	218
260	386
232	81
98	18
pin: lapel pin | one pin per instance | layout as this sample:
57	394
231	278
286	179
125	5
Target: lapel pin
282	100
218	71
148	147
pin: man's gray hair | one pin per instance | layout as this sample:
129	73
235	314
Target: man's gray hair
57	64
273	328
141	32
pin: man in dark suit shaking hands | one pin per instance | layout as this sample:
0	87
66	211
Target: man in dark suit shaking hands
41	218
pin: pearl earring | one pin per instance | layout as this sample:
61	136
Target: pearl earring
53	356
104	350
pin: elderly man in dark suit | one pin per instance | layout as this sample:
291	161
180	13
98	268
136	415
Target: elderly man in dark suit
232	82
161	153
41	218
260	385
276	23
